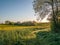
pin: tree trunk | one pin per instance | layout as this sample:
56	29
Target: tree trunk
54	17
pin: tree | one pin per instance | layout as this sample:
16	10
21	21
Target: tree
47	8
9	22
17	23
28	23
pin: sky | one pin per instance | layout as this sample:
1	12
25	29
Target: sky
16	10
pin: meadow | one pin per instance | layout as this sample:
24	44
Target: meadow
28	35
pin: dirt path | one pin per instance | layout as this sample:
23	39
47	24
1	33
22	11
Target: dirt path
40	30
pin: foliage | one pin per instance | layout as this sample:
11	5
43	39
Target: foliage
27	23
48	38
44	8
48	8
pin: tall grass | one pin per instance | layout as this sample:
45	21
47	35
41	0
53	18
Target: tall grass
24	36
15	37
19	37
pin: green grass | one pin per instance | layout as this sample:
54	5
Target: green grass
48	38
25	37
16	37
28	35
14	27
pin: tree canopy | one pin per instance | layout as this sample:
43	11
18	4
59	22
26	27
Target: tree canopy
44	8
48	8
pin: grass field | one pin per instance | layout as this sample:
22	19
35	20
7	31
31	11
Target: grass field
27	35
26	31
12	27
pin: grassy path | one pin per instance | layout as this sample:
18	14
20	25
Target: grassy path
41	30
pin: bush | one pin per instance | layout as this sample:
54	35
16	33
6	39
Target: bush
48	38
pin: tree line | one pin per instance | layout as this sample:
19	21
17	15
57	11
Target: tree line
26	23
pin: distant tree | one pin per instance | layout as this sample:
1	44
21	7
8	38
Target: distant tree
45	8
17	23
28	23
9	22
